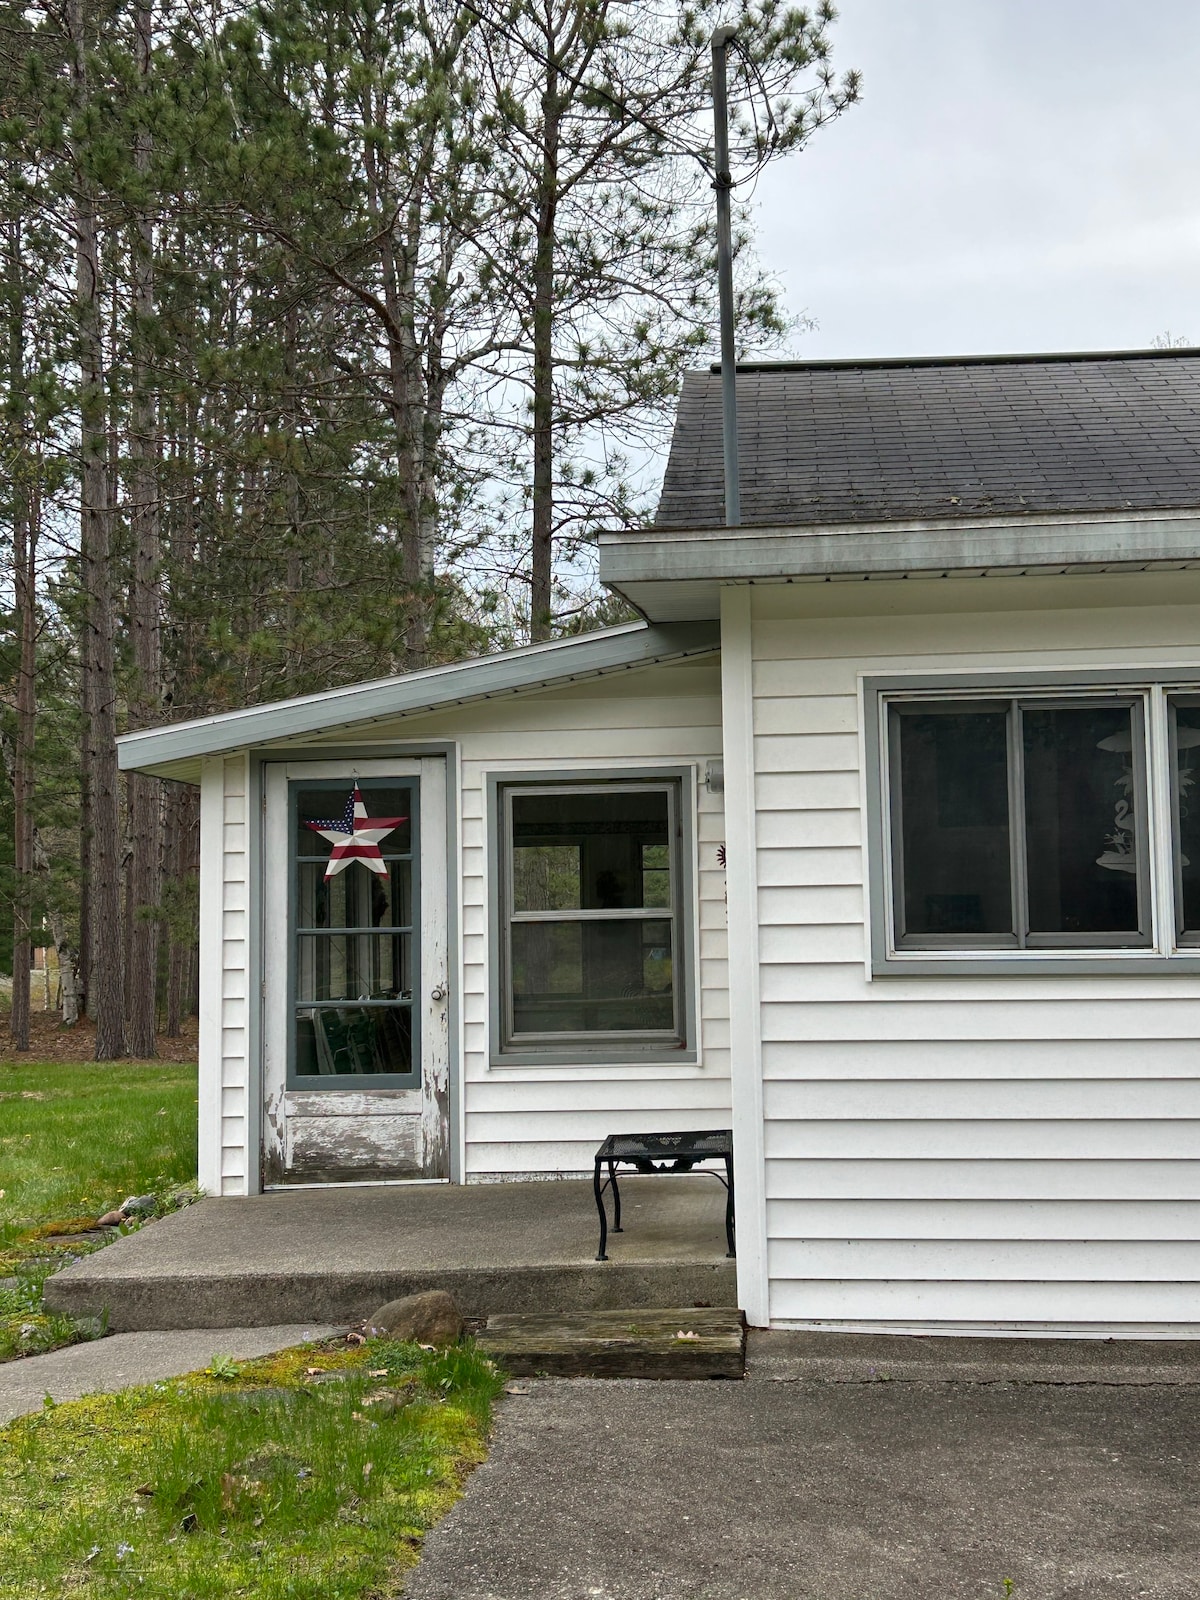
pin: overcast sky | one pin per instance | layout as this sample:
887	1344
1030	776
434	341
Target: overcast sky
1021	175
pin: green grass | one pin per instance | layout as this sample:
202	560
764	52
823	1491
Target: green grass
249	1480
25	1328
75	1139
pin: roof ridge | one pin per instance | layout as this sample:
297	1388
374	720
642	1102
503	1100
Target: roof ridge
1009	358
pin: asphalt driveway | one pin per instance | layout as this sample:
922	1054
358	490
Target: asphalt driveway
844	1470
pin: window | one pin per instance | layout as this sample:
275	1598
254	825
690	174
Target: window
1185	769
354	941
592	948
1046	823
1019	823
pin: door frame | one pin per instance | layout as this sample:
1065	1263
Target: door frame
260	898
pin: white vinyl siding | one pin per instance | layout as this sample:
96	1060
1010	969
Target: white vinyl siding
538	1120
544	1121
224	1076
1010	1153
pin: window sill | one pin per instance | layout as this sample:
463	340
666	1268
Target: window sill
606	1062
1041	963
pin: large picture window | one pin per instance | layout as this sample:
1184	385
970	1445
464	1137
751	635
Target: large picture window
1023	823
590	926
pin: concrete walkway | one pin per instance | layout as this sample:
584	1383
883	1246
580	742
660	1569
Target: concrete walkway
338	1254
105	1365
844	1468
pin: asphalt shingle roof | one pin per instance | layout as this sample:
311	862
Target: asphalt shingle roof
879	441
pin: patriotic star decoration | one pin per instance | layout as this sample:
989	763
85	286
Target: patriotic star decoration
355	836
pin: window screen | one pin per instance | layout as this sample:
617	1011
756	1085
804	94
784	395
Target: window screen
590	888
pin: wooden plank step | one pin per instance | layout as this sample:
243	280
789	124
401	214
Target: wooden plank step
675	1342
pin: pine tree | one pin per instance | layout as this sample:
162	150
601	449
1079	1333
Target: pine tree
604	251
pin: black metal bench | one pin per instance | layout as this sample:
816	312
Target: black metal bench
662	1152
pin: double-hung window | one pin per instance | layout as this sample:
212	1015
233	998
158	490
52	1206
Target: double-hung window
1049	821
591	900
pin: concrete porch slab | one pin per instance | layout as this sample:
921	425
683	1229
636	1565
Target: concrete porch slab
335	1255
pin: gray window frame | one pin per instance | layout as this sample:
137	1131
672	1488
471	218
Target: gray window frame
1166	949
1014	706
358	1080
679	1046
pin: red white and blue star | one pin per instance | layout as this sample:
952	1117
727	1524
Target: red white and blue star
355	836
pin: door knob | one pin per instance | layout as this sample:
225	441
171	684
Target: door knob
438	992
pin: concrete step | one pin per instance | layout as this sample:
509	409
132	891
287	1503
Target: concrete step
337	1255
260	1298
635	1342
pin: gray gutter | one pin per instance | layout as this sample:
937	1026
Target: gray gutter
563	660
969	544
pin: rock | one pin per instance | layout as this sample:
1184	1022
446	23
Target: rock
111	1219
429	1318
138	1205
387	1402
7	1285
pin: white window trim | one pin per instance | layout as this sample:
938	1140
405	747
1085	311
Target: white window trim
1164	954
608	1052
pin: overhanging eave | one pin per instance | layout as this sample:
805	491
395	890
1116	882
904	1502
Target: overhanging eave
676	573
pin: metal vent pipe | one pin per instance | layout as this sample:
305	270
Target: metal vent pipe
723	184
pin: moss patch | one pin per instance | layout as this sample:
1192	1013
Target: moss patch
310	1475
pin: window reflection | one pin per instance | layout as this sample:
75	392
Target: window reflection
353	1041
1081	820
1186	750
954	821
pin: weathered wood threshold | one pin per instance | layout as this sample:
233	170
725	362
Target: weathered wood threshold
671	1342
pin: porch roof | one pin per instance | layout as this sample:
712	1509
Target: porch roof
175	751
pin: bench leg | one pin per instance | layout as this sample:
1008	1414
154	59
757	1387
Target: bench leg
599	1193
612	1178
729	1223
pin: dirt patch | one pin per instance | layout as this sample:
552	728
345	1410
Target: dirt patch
50	1041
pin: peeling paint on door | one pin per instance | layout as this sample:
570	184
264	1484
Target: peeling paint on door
327	1134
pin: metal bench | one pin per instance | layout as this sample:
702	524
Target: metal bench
662	1152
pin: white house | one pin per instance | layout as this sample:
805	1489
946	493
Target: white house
878	841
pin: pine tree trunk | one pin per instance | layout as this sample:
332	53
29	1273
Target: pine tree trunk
106	976
541	602
144	793
182	861
173	872
84	968
24	564
25	534
398	244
